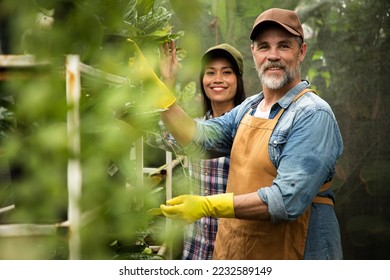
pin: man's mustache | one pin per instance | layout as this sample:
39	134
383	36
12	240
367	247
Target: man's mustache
272	65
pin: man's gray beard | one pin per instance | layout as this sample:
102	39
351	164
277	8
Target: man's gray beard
275	82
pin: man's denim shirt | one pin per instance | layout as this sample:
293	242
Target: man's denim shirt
304	147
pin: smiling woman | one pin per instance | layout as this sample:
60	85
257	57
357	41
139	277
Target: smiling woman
220	85
222	89
221	79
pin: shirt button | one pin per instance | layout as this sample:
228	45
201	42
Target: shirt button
275	142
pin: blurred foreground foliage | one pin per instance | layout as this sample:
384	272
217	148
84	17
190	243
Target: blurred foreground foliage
113	117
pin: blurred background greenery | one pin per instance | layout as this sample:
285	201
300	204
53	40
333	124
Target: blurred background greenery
347	63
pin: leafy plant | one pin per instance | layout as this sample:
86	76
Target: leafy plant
115	199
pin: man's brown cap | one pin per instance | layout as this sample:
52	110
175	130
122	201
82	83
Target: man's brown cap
228	51
286	18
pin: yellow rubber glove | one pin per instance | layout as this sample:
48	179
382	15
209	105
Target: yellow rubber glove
159	93
191	208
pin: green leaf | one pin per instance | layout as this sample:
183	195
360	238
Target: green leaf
188	92
144	6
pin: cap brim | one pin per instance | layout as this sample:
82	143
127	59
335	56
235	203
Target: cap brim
221	52
255	30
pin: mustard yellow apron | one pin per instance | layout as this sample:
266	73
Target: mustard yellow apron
250	169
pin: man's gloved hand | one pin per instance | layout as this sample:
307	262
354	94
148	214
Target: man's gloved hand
156	90
191	208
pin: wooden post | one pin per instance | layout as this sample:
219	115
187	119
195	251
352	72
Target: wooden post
74	167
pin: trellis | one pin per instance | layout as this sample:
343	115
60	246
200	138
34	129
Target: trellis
74	70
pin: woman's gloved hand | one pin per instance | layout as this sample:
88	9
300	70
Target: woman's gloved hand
191	208
157	92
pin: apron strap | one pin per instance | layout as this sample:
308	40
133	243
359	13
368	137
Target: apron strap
302	93
279	114
322	199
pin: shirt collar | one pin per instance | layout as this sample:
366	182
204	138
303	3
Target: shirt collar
286	100
208	115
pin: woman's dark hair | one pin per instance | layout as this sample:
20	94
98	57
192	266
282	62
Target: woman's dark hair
240	93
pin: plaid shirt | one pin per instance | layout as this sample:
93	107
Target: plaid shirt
207	177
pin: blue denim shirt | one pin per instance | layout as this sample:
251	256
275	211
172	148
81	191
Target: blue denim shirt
304	148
